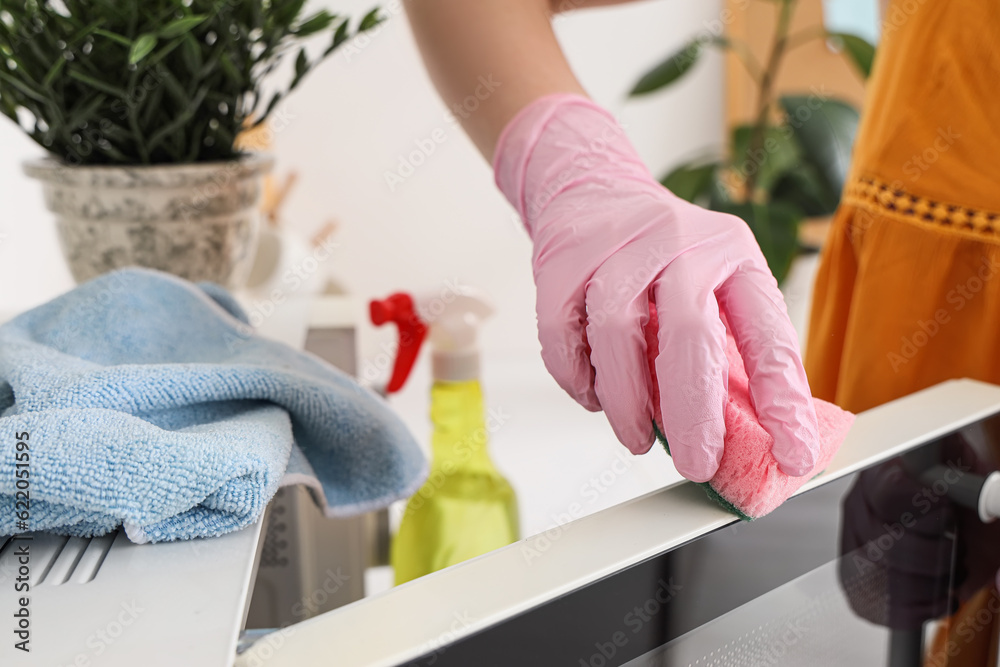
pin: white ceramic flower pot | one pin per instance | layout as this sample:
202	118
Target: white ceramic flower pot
199	221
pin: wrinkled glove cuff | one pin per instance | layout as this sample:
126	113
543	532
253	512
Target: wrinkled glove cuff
557	142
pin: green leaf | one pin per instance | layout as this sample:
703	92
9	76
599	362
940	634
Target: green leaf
23	87
136	81
825	130
181	26
85	32
370	20
141	48
339	38
315	23
163	52
230	69
177	92
191	54
153	106
301	64
115	37
776	228
197	136
75	73
114	153
718	192
113	131
670	70
691	182
270	107
177	122
859	51
778	154
286	11
805	188
301	67
83	111
53	72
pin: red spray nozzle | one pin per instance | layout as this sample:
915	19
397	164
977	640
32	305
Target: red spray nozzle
399	309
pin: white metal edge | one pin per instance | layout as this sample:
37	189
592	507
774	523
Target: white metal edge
334	311
257	533
429	613
183	604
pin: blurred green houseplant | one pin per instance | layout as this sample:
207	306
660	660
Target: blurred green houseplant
124	82
791	162
139	105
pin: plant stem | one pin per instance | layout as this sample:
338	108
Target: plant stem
767	91
804	36
746	58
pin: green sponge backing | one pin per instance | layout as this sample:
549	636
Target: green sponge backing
709	490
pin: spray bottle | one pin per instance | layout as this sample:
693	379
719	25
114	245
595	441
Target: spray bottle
466	507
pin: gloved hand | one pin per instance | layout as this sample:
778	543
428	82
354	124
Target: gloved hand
608	239
912	544
896	556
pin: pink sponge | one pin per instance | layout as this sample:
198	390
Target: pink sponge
748	481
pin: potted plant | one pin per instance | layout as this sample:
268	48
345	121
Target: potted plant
139	106
791	162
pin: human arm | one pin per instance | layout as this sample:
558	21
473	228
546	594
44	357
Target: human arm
509	40
609	240
506	41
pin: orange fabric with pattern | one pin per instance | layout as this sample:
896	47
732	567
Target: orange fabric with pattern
908	290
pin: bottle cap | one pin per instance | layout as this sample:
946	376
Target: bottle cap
452	318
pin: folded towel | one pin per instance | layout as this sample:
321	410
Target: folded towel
748	482
148	402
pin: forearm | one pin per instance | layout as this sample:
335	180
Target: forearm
501	53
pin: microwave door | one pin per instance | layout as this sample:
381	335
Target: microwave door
881	560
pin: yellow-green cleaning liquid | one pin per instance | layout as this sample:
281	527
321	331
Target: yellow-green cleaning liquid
466	507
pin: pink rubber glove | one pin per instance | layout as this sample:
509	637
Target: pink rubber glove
608	239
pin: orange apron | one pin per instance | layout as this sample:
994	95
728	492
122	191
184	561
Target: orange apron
908	289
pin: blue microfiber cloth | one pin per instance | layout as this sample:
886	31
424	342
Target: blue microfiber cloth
148	402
